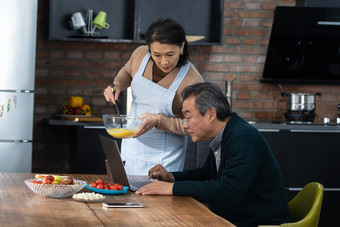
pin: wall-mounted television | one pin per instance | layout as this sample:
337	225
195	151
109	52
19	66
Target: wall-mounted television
304	46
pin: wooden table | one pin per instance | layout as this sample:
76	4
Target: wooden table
19	206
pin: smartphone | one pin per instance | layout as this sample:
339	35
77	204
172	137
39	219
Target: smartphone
109	205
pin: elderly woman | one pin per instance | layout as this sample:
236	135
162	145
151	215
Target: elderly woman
157	74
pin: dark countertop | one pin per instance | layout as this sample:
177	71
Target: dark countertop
276	127
261	126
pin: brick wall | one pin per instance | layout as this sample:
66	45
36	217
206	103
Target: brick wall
86	68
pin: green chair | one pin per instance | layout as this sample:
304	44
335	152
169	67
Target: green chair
305	207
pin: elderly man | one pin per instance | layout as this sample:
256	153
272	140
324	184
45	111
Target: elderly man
240	180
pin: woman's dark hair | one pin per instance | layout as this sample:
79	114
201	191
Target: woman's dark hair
168	31
208	95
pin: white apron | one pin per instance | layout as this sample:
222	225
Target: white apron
155	146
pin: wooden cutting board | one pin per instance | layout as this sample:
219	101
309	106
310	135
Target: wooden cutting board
79	117
89	119
194	38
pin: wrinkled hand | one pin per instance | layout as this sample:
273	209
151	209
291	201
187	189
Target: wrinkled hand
160	173
156	188
109	96
150	120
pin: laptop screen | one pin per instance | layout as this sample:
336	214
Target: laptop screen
114	165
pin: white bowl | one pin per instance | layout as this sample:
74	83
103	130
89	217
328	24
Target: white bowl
56	190
121	126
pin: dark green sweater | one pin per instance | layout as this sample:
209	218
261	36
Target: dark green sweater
247	189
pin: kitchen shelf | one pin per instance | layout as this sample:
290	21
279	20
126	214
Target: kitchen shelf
120	17
129	19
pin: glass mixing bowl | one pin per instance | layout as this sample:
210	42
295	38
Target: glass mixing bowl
121	126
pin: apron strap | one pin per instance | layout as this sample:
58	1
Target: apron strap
180	77
143	65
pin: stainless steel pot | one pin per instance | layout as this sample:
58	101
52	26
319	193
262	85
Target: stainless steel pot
300	101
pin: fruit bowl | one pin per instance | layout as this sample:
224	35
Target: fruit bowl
55	190
121	126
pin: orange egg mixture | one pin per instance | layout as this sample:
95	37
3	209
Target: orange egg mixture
122	132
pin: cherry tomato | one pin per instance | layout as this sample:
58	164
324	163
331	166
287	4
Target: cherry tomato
100	186
120	187
107	187
47	181
37	181
51	178
93	185
110	184
113	187
100	181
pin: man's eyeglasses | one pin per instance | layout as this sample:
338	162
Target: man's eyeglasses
186	120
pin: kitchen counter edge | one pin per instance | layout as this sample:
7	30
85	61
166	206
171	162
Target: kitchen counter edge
261	126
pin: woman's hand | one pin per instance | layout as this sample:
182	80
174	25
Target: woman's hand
109	95
150	120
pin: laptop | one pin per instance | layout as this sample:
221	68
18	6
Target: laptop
115	167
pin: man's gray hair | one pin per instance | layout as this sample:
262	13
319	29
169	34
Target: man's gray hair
208	96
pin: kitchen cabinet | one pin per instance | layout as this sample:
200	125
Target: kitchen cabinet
309	156
305	156
129	19
90	157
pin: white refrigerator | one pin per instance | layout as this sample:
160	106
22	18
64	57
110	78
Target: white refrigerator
17	72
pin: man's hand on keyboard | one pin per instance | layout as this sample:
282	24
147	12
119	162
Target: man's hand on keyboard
159	172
